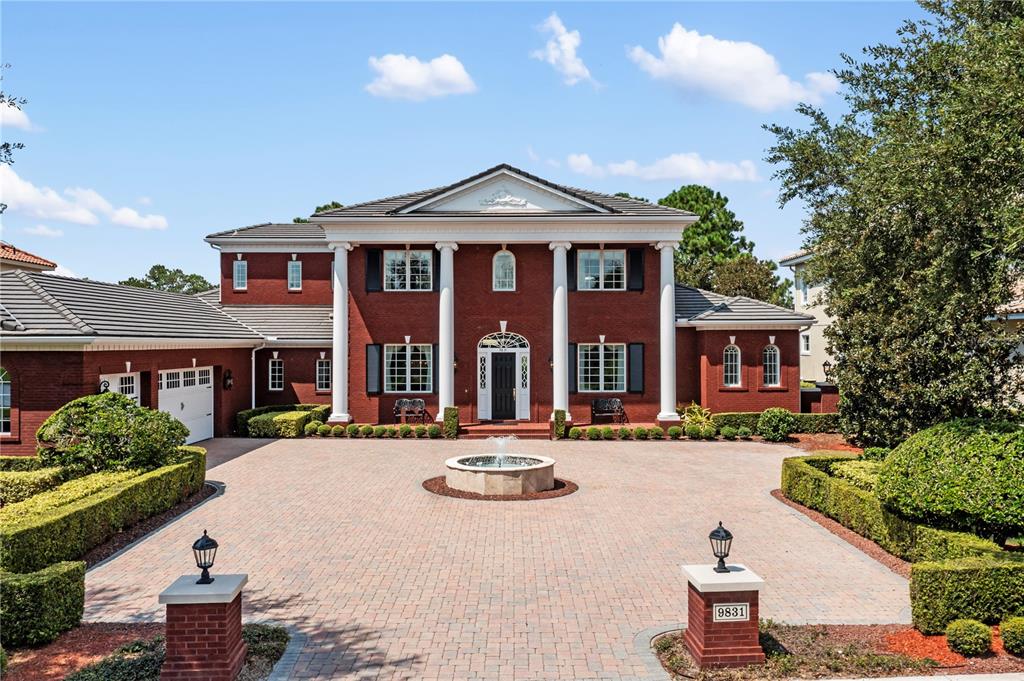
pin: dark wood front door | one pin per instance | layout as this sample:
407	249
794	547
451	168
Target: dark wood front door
503	385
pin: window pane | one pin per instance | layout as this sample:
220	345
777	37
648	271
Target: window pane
188	378
421	378
395	368
731	366
419	270
5	402
614	270
239	274
614	368
173	379
323	374
771	365
394	271
294	275
588	264
204	377
504	272
277	374
589	367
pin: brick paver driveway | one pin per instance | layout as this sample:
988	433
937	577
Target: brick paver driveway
390	581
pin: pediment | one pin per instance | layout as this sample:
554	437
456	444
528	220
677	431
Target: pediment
503	193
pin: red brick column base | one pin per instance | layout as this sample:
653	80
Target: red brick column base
732	641
204	639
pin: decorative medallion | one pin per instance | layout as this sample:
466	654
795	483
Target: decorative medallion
503	198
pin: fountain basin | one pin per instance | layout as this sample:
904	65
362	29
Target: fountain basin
481	474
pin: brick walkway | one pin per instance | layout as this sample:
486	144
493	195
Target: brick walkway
389	581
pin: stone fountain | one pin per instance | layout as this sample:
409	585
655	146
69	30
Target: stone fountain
501	472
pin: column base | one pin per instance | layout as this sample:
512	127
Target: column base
568	418
339	418
667	419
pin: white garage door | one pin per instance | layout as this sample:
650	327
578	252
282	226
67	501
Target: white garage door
187	395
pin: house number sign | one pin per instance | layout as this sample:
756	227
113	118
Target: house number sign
730	612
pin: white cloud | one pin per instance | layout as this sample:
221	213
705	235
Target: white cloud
144	201
402	77
560	51
43	230
735	70
688	167
13	117
77	205
62	271
531	154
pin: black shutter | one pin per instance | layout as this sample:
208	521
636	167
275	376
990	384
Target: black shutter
373	265
435	274
635	269
373	369
571	258
573	385
635	363
436	369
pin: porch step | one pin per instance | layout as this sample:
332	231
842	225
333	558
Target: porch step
523	431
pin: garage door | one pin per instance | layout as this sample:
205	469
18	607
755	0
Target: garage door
187	395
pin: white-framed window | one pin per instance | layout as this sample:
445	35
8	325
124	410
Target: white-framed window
408	271
801	287
731	366
503	271
770	362
601	270
205	376
602	367
323	374
5	402
408	368
275	373
172	379
188	378
805	344
294	275
239	275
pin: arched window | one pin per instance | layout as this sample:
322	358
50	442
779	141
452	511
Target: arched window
731	366
5	402
504	271
770	360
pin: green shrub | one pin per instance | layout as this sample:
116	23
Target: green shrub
324	430
108	432
709	431
366	431
352	430
17	486
38	606
559	424
312	427
138	660
985	589
876	453
640	433
434	431
968	637
390	431
593	433
320	413
607	433
625	433
815	423
695	415
263	425
20	463
64	523
656	432
405	430
728	432
379	431
692	431
451	422
290	423
965	474
744	432
338	431
1011	630
859	473
421	430
674	432
3	660
775	424
737	419
575	433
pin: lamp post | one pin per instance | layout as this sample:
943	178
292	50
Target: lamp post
205	550
721	541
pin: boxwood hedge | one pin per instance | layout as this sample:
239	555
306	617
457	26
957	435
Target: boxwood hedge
63	524
17	486
37	606
20	463
802	423
983	589
318	412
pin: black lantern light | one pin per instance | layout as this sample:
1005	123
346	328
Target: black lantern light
205	549
721	540
228	380
826	366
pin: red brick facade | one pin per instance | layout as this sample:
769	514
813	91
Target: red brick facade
268	282
752	394
204	642
722	644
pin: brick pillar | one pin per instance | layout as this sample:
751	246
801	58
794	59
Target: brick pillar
722	619
204	629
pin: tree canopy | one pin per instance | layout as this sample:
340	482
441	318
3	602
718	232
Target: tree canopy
161	278
916	217
319	209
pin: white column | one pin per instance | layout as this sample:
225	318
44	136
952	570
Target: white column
339	335
446	329
667	336
560	330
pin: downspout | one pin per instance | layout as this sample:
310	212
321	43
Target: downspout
252	374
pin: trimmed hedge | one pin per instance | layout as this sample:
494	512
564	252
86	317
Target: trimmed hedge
1011	630
38	606
56	529
451	422
984	589
559	424
319	412
20	463
17	486
860	474
802	423
291	423
263	425
968	637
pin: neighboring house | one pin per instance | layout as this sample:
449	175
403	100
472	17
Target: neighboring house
1012	314
807	299
503	294
13	258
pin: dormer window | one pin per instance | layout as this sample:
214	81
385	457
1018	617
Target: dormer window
503	271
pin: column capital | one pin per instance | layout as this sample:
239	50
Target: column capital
559	244
335	245
674	245
441	245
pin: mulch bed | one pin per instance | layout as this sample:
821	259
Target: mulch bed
84	645
894	563
139	530
438	486
816	442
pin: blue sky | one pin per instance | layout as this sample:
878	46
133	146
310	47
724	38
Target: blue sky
150	125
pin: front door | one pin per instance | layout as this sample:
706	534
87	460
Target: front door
503	385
